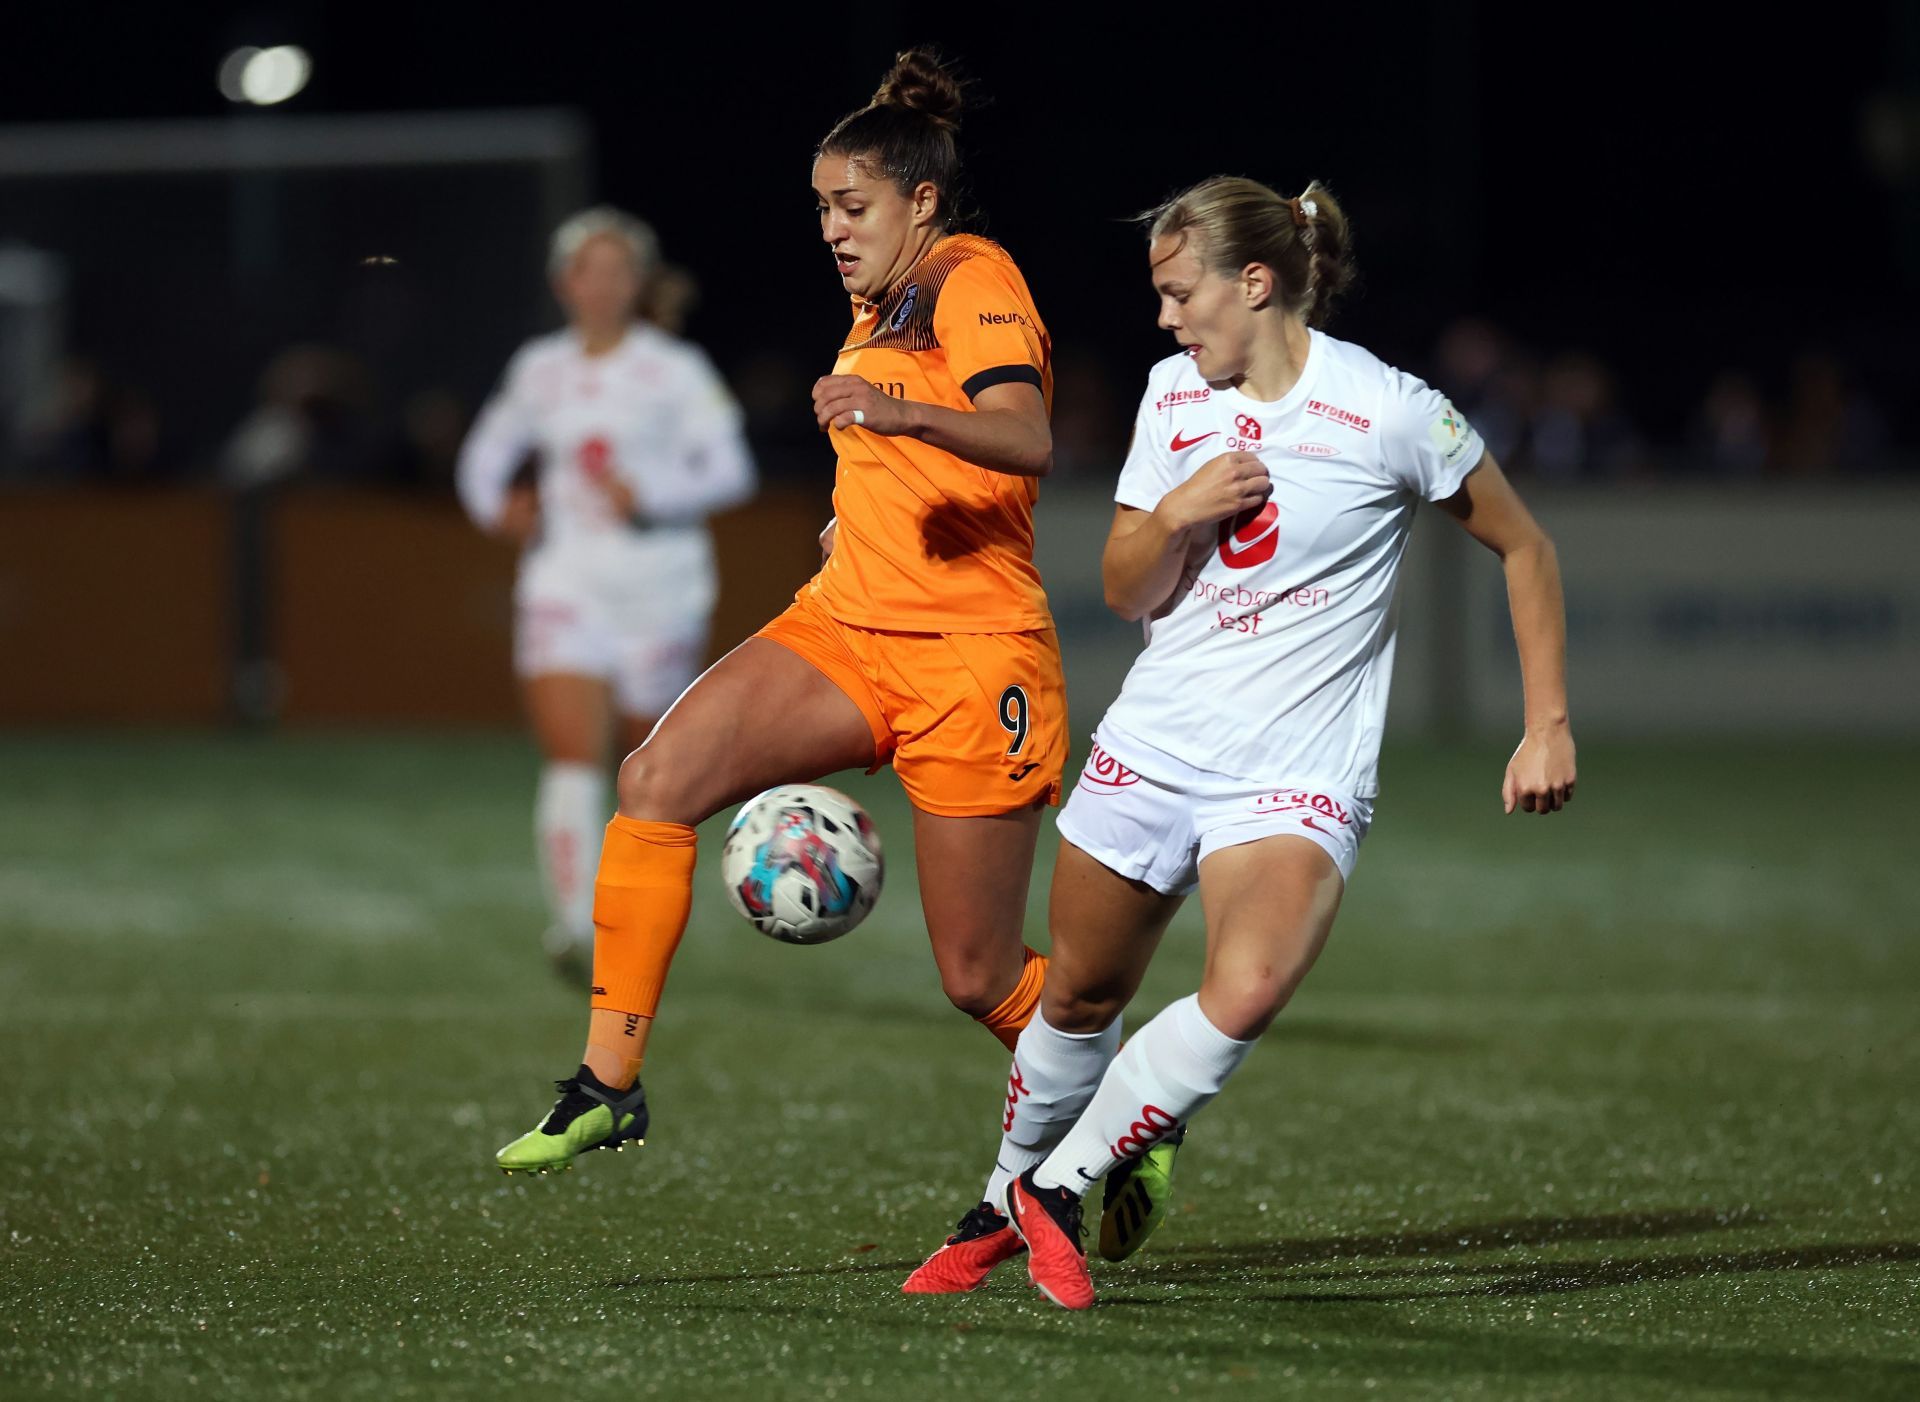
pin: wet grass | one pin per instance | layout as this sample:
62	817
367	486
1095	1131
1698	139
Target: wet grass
1617	1104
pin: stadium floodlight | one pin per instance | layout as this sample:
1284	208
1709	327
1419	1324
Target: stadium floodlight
231	67
264	77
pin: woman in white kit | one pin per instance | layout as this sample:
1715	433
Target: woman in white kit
1262	513
637	440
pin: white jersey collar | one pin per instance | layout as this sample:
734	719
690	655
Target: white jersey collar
1293	398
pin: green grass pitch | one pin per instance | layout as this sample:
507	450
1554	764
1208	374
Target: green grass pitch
1620	1104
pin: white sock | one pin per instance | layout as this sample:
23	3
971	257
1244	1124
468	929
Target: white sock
1053	1077
569	816
1167	1071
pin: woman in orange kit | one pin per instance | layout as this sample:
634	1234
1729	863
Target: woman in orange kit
924	641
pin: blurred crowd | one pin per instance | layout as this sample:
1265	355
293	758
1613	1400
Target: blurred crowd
1561	416
316	418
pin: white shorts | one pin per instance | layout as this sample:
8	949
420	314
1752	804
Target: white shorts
1156	833
635	614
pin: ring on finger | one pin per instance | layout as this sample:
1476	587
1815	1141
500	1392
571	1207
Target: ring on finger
859	417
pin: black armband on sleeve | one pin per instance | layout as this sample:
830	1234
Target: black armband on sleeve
1001	375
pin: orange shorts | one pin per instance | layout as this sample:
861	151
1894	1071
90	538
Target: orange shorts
973	723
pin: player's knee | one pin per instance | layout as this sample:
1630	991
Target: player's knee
1080	1010
1245	1008
653	788
973	990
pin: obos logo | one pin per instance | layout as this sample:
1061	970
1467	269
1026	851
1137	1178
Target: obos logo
1250	538
1246	434
899	318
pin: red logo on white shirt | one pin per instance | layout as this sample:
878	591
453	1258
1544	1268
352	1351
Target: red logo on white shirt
596	459
1181	396
1343	417
1247	426
1313	450
1180	444
1250	538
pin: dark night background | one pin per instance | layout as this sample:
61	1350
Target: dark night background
1679	195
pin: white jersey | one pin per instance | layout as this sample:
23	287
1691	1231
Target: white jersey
1271	660
651	412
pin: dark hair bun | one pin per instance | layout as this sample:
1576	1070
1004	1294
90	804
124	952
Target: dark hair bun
920	82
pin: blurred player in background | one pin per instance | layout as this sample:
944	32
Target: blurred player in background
634	440
669	298
1262	513
924	641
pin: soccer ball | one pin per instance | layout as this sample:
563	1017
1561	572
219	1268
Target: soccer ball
802	863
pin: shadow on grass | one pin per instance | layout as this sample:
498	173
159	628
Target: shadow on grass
1562	1278
1479	1236
1280	1262
1200	1262
1343	1323
1263	1271
644	1282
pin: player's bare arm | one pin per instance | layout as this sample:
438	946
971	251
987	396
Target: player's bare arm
1540	776
519	515
1146	549
620	497
1006	430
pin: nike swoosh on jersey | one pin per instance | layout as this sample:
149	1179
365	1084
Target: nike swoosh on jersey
1309	823
1179	442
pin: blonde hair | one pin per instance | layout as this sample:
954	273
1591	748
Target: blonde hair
1232	221
604	221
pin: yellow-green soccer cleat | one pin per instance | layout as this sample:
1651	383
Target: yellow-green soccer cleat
1136	1197
590	1115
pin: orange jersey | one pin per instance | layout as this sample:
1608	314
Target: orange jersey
926	542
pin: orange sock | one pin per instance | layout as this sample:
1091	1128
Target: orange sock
1016	1011
640	904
